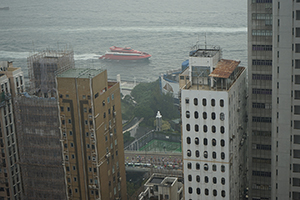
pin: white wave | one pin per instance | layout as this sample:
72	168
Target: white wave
184	29
14	55
86	56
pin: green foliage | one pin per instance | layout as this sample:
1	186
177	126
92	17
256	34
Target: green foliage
127	138
150	100
127	108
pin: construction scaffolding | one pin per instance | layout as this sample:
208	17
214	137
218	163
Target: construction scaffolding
43	67
38	134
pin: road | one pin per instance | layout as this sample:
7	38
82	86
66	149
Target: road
159	160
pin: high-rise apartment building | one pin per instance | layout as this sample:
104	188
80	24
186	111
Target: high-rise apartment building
274	61
91	131
260	97
286	100
11	81
213	112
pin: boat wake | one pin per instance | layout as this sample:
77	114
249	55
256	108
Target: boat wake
9	55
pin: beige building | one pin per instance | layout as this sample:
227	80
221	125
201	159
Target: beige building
91	131
11	81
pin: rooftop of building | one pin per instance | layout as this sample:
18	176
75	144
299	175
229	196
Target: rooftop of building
224	68
80	73
207	52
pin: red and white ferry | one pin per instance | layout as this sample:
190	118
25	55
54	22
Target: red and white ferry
126	53
123	49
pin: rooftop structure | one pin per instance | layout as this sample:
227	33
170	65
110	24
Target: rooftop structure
160	187
44	66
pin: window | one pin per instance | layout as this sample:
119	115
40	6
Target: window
107	99
190	177
205	154
222	129
197	154
190	190
213	142
206	192
222	116
188	127
197	166
189	153
297	14
223	181
213	129
205	141
188	140
196	115
189	165
196	141
222	143
198	178
187	100
214	167
62	109
187	114
205	167
198	191
195	101
206	180
213	102
214	155
297	48
213	116
203	102
204	128
223	193
222	168
204	114
215	192
222	155
96	95
214	180
196	127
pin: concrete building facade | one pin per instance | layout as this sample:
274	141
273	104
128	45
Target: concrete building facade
273	52
91	132
260	97
213	112
10	173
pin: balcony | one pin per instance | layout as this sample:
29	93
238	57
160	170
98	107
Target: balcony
4	97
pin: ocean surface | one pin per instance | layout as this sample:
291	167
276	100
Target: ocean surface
166	29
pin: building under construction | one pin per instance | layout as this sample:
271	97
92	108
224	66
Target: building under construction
43	67
40	149
37	127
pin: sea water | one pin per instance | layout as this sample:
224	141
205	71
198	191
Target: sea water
166	29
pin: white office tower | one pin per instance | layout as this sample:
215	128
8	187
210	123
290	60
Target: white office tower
213	112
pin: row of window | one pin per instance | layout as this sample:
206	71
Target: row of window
205	141
261	1
262	47
205	154
206	179
204	102
204	115
262	32
262	62
206	192
262	105
262	119
261	91
205	129
262	77
205	167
